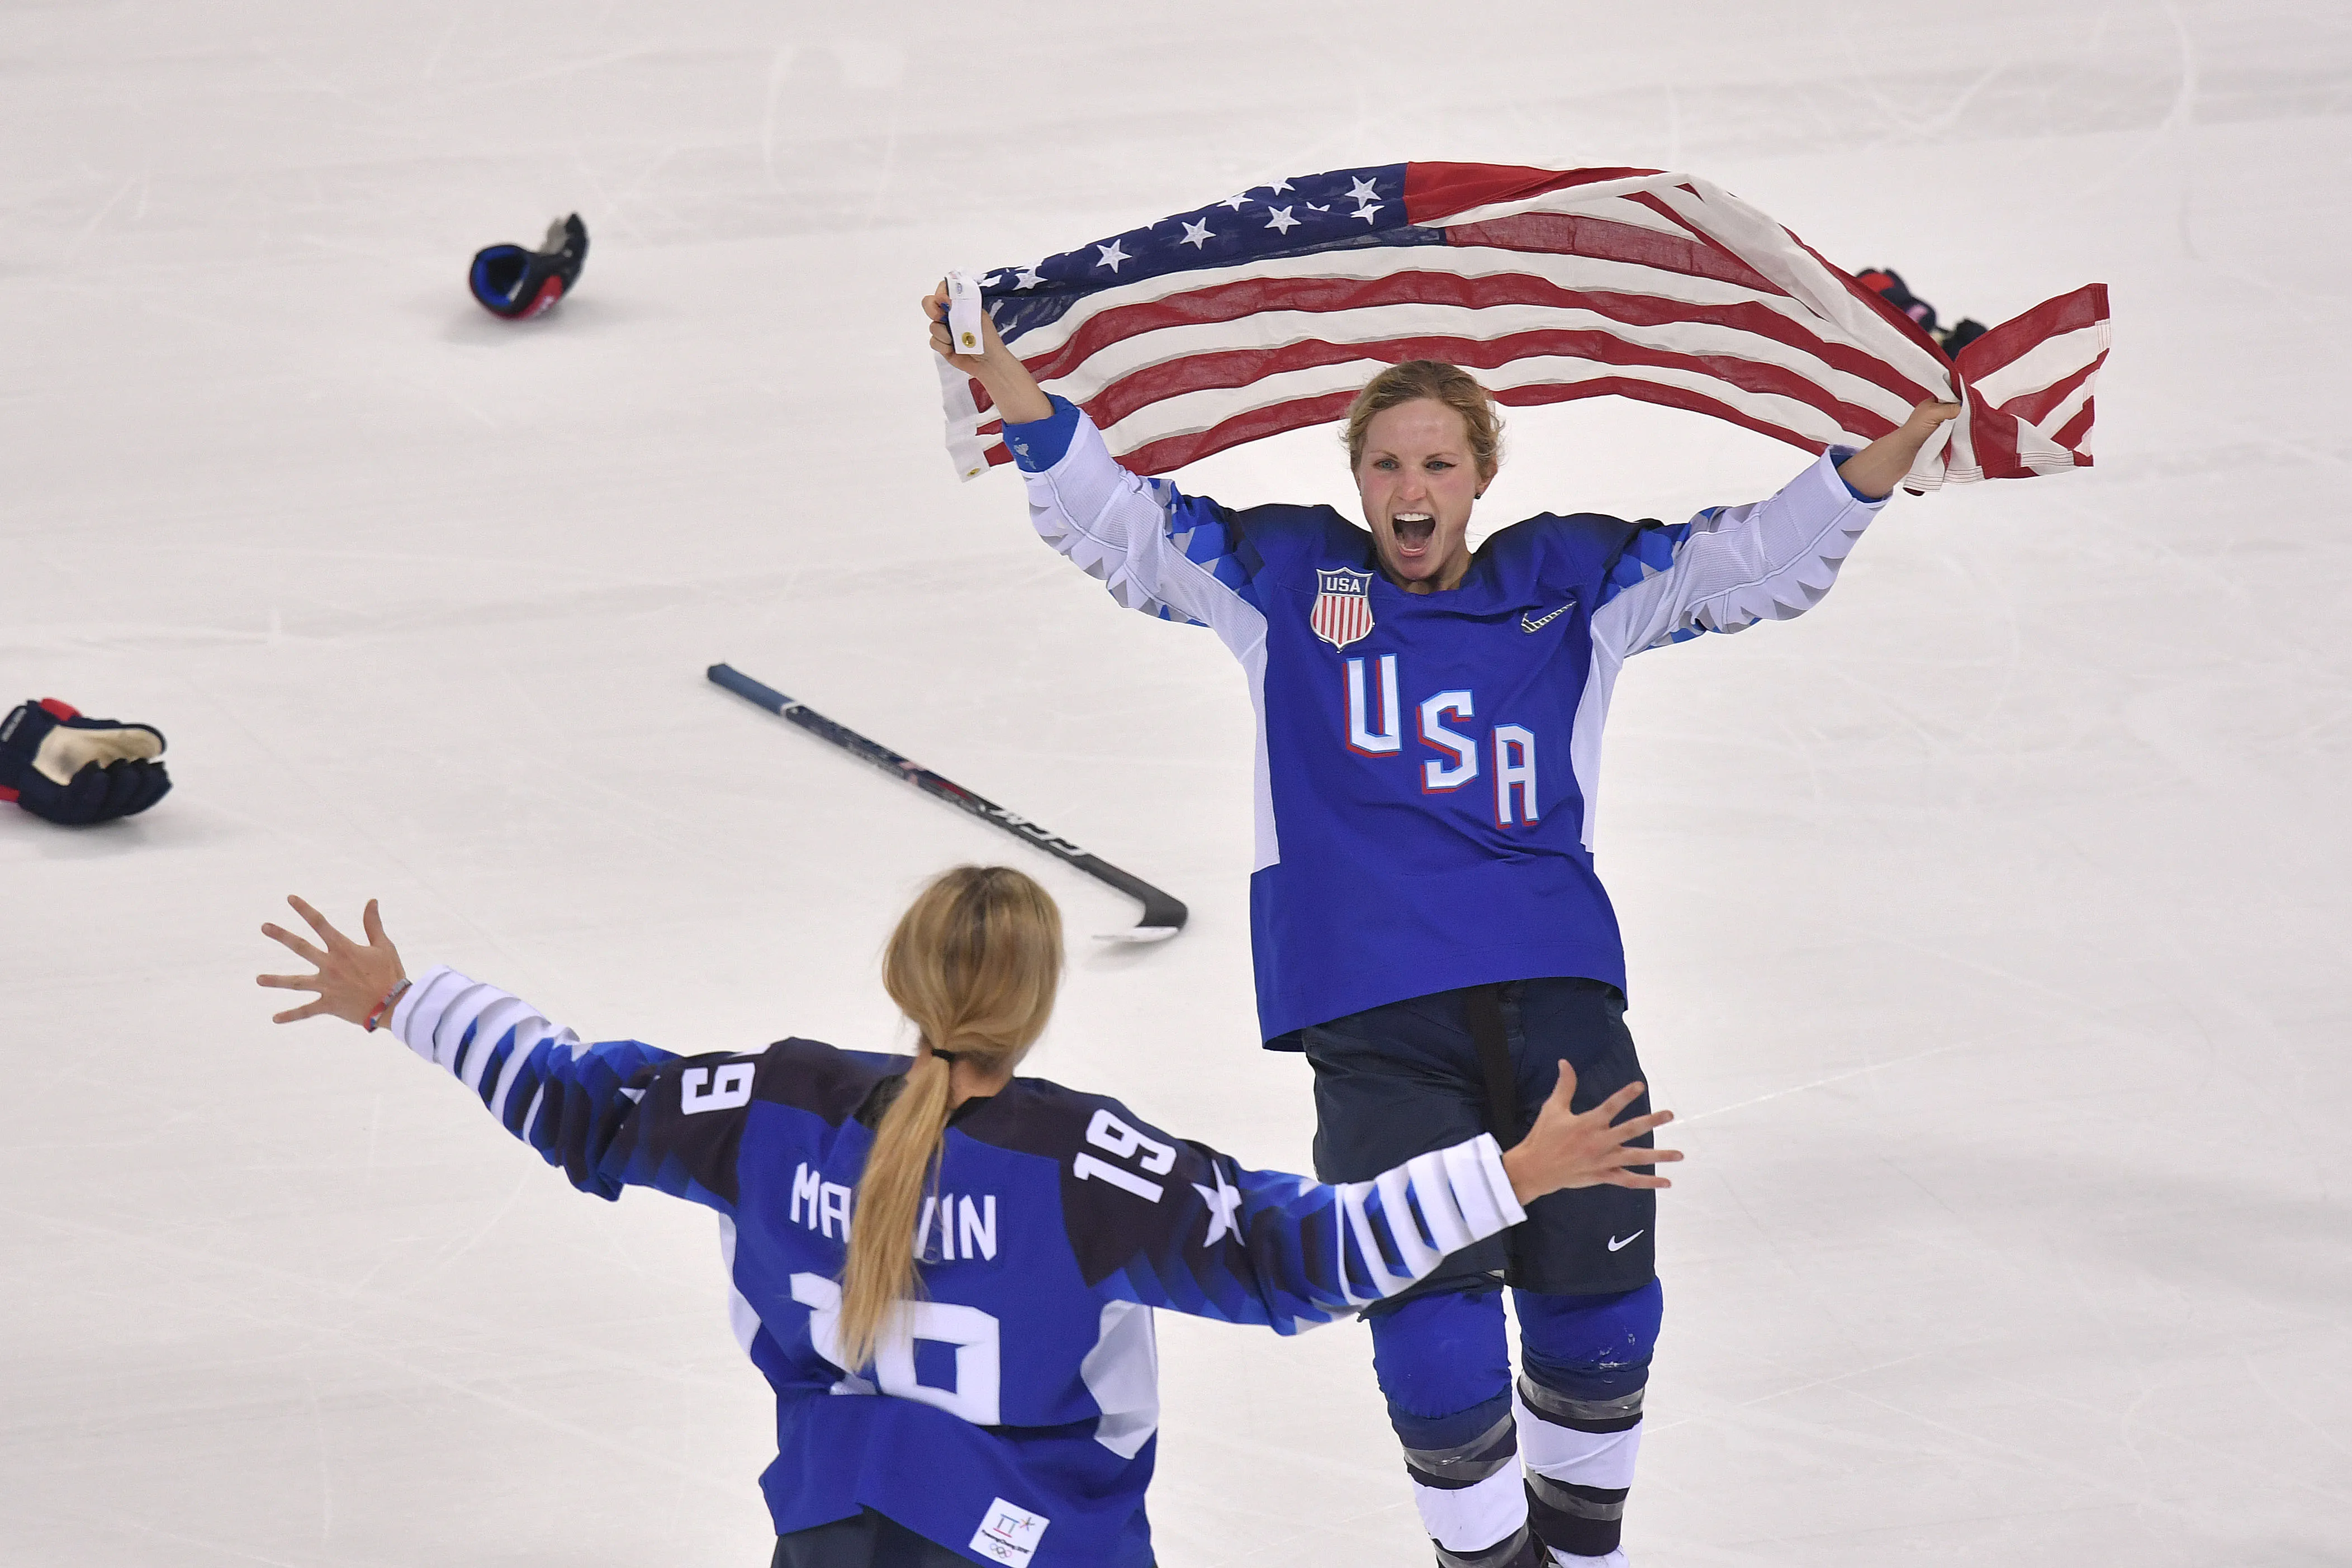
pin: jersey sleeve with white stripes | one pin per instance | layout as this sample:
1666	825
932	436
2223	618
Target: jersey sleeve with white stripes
1175	1224
1169	555
613	1114
1730	567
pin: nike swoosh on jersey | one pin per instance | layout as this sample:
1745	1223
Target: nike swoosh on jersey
1528	623
1616	1245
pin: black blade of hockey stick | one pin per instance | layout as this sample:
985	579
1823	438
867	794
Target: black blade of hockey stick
1162	916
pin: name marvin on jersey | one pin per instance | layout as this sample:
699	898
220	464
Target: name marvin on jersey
958	1227
962	1227
1510	756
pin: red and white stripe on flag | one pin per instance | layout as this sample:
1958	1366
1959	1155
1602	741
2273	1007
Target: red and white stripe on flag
1553	285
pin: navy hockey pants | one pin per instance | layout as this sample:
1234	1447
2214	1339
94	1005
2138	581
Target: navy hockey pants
1399	1080
865	1540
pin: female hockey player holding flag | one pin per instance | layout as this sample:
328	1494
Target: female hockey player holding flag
1427	925
973	1253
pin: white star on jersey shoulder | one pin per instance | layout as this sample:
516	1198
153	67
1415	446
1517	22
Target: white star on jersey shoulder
1224	1201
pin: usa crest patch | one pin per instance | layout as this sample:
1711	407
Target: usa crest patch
1343	606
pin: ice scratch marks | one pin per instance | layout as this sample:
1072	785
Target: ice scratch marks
2183	113
325	1475
1838	1078
2180	120
136	182
449	1256
433	63
115	1519
286	1308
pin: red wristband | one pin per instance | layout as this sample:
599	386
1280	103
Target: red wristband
383	1009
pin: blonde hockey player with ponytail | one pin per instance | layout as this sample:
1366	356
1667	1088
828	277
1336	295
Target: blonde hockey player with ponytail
974	965
947	1273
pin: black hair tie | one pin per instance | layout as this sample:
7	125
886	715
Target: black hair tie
950	1057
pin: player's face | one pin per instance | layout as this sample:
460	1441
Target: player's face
1417	480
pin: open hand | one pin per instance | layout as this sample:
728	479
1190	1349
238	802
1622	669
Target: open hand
1566	1149
350	979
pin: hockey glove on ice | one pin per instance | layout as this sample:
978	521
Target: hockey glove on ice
520	284
59	765
1888	285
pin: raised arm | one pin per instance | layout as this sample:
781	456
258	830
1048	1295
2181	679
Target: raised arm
1175	1224
614	1115
1011	387
1169	555
1730	567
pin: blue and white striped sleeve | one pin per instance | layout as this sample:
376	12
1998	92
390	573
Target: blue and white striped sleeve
1197	1233
583	1107
1177	557
1318	1252
1730	567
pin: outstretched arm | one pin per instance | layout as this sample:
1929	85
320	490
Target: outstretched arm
615	1115
1011	387
1169	555
1730	567
1178	1225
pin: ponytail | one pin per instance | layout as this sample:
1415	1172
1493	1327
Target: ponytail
973	964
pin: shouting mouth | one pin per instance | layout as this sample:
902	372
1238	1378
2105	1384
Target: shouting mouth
1414	531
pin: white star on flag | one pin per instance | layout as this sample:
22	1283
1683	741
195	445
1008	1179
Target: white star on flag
1236	203
1282	222
1027	277
1364	212
1224	1200
1197	235
1365	191
1278	187
1112	256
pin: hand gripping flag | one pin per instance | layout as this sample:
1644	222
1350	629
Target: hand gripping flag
1268	310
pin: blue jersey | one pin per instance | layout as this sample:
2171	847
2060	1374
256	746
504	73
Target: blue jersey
1014	1420
1427	763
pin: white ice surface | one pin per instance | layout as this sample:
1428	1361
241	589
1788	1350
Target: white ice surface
1988	925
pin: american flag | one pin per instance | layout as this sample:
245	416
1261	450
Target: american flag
1269	309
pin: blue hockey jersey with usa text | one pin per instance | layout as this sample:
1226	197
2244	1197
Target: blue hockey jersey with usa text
1428	764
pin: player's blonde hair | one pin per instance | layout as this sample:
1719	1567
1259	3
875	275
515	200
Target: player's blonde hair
1452	385
973	964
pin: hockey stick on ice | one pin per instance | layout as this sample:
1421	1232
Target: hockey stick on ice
1162	915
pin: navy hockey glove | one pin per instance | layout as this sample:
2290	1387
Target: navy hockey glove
1888	285
59	765
520	284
